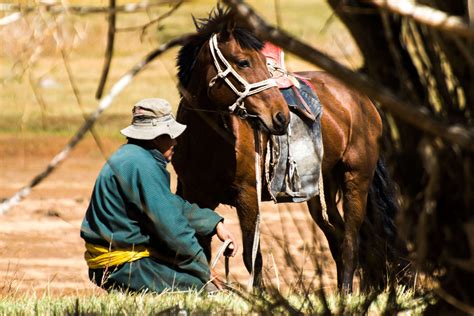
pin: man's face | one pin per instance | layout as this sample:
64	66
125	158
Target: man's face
165	144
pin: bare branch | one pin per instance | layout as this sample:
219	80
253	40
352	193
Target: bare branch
426	15
58	8
75	90
103	105
10	18
39	98
406	111
450	299
145	26
109	50
470	9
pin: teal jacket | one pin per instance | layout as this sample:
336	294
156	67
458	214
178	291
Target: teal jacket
132	205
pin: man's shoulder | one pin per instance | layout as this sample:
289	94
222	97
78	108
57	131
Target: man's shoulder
129	157
130	153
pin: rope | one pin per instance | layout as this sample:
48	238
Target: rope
219	254
256	236
322	199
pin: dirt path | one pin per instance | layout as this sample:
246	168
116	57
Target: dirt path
40	247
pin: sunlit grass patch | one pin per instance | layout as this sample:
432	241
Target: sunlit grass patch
125	304
195	302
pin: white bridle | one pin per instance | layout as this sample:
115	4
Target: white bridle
249	88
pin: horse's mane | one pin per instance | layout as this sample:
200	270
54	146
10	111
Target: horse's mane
218	19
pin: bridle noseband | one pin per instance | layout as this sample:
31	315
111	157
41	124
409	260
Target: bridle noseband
238	106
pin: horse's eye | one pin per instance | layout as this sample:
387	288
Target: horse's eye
244	63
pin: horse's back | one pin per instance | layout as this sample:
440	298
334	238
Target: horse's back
351	124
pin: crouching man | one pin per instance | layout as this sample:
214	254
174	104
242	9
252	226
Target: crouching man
139	235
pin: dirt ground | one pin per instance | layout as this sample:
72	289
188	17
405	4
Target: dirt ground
40	247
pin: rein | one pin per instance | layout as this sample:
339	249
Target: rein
241	115
238	106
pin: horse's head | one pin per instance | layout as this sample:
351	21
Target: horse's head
240	81
234	73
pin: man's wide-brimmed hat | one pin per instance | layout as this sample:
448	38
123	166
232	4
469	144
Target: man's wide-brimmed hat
152	118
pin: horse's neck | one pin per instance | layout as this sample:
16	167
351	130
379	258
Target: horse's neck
205	121
235	132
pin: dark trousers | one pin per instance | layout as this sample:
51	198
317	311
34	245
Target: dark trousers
146	274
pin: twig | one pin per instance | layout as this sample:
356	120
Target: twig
39	99
406	111
109	49
10	18
79	102
426	15
103	105
83	10
145	26
468	309
391	40
276	4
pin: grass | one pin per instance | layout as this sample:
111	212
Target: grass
119	303
185	303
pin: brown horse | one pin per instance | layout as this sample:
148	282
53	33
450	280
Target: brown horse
215	157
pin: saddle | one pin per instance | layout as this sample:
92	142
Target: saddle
293	161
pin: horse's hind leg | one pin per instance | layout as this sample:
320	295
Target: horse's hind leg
335	232
355	190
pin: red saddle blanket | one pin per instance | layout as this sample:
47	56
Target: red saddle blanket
287	81
276	65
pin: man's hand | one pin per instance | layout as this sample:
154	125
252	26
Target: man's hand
223	233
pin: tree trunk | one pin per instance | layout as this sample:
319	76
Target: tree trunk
435	178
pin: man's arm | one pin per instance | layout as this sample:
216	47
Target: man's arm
203	220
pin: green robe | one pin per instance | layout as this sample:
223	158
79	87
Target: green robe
132	205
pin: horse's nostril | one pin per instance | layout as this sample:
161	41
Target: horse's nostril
280	118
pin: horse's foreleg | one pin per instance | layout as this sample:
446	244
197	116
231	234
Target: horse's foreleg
247	211
355	192
335	231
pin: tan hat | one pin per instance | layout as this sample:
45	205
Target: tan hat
152	118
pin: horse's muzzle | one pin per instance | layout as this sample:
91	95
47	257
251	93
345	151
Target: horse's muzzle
280	124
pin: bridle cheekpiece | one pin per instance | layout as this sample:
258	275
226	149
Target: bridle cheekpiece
238	106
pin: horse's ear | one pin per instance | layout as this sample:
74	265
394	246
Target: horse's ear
227	31
196	23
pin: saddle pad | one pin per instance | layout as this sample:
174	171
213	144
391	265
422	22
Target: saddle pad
293	161
276	64
300	99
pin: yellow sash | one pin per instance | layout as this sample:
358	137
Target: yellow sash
101	257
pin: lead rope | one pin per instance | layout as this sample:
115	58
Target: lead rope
256	236
322	200
220	252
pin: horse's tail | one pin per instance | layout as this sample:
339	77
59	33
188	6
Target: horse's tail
379	253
